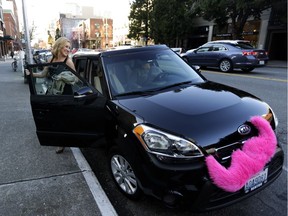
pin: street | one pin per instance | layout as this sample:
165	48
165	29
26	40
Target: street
36	181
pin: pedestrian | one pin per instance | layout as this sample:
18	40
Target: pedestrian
12	54
60	53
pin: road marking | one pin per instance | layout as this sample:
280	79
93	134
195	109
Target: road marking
247	76
103	203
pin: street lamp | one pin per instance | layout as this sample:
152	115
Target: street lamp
27	36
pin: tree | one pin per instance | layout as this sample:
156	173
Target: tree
50	38
57	34
220	11
171	21
139	26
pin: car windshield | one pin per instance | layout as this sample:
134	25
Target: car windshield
146	72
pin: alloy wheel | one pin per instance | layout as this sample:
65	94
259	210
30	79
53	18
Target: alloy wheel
124	174
225	65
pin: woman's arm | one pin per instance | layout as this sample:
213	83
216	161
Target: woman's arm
38	75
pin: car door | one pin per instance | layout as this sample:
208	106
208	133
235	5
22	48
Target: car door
200	55
218	53
77	119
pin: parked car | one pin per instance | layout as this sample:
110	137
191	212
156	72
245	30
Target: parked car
169	132
178	50
227	55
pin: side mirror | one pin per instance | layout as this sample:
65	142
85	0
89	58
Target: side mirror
196	68
82	92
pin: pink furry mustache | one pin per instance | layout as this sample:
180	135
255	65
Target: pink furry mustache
245	163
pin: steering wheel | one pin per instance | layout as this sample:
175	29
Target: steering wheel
160	76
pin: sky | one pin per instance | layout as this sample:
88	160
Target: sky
41	13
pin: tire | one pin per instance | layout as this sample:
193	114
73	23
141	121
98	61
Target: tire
123	174
225	65
249	69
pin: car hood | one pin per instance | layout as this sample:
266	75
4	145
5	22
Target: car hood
205	112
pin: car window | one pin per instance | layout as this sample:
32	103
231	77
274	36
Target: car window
244	45
146	71
60	80
96	75
219	48
80	66
204	49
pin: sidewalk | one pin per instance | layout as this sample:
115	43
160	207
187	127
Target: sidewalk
34	180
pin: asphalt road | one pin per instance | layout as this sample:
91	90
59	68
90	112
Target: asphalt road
270	84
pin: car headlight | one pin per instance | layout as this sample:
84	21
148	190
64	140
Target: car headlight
270	116
162	143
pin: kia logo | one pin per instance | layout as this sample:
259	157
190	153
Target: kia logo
244	129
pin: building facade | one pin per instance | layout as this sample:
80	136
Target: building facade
9	28
3	48
269	32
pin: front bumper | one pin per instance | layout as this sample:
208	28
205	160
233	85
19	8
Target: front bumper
193	189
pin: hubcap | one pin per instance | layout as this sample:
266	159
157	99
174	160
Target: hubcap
225	65
123	174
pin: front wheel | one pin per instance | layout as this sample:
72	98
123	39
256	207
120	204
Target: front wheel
225	65
124	175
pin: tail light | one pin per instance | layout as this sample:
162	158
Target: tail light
246	53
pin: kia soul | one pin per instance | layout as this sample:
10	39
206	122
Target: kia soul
169	132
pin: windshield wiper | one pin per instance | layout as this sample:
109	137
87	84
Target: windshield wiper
148	92
136	93
173	85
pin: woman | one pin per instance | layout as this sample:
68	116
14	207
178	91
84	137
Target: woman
60	53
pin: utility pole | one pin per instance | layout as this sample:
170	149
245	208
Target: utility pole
27	35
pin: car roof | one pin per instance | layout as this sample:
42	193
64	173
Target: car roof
229	41
118	51
133	49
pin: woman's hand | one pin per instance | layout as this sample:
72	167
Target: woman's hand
27	72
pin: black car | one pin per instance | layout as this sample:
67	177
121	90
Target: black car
227	55
168	131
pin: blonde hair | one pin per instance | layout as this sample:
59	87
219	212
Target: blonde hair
59	44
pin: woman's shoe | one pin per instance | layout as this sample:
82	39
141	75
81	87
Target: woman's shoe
59	150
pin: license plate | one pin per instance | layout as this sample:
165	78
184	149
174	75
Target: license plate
256	181
261	62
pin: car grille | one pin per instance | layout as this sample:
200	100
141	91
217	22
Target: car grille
223	154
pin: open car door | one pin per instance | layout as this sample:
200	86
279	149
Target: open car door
76	117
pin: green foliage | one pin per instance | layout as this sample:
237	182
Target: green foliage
139	18
220	11
164	21
171	21
58	34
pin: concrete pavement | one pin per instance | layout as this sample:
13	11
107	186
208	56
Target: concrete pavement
34	180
